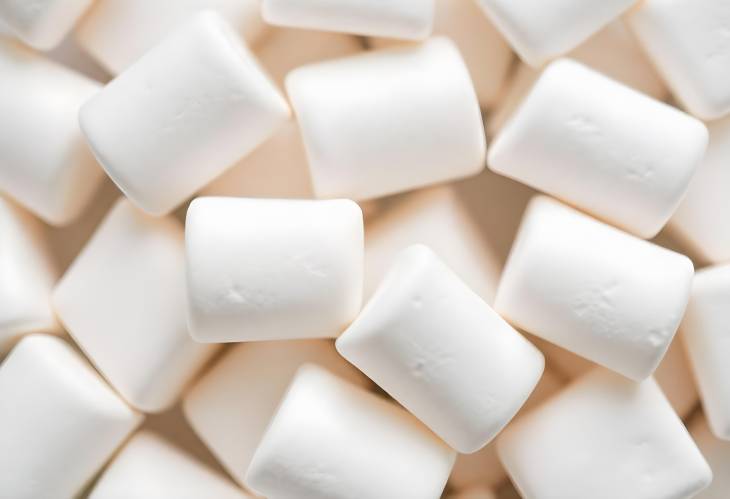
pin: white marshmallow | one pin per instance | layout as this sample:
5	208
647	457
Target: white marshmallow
149	467
28	276
123	301
183	113
602	147
271	269
687	42
118	32
332	439
588	287
442	352
717	453
701	219
59	422
540	30
388	121
42	23
603	437
44	163
705	333
410	19
232	404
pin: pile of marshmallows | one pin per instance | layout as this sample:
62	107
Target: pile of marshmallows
275	118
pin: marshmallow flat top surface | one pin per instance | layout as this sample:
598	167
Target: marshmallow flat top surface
39	103
184	112
706	333
601	146
123	301
603	437
261	269
42	23
55	409
687	42
330	439
118	32
442	352
411	19
149	467
592	289
232	404
540	30
388	121
717	453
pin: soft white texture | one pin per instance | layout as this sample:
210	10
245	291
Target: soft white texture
42	24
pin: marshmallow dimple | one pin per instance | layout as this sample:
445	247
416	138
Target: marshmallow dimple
540	30
42	24
588	287
410	19
183	113
59	422
123	302
603	437
601	146
266	269
687	41
331	439
388	121
707	336
44	163
442	352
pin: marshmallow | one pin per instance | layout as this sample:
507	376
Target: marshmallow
123	302
442	352
540	30
605	295
701	218
473	493
410	19
717	453
622	157
150	467
183	113
332	439
28	276
705	329
118	32
44	163
242	391
603	437
388	121
59	422
42	23
687	42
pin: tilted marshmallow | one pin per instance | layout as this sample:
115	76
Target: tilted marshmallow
182	114
271	269
590	288
687	42
123	301
388	121
150	467
330	438
42	23
717	453
118	32
609	150
701	219
232	404
28	275
705	333
540	30
473	493
603	437
44	162
442	352
410	19
59	422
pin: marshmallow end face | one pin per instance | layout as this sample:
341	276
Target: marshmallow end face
42	24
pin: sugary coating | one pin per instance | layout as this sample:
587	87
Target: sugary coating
42	24
717	453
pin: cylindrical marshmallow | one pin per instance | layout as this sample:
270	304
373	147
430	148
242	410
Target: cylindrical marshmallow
717	453
42	23
182	114
388	121
590	288
601	146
